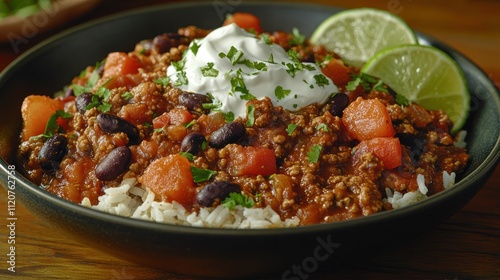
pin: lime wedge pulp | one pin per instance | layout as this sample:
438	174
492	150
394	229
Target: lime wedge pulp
426	76
357	34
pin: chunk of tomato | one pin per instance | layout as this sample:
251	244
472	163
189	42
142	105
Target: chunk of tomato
120	64
338	72
36	111
247	21
387	149
171	179
367	118
251	160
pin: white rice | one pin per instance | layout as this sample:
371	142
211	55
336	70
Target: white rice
400	200
130	200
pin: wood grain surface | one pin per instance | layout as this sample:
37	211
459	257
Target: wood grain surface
467	246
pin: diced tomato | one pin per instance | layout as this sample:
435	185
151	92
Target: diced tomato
135	113
338	72
179	116
251	161
171	179
162	120
210	123
176	116
367	118
247	21
36	111
120	64
387	149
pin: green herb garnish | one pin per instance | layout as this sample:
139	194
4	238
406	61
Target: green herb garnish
250	115
209	70
238	199
52	127
281	93
314	153
291	128
201	175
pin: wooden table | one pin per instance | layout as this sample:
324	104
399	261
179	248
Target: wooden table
467	246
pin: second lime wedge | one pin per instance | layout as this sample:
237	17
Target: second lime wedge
426	76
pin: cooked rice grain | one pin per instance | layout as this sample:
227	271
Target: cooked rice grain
129	200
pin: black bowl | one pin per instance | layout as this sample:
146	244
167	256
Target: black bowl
46	68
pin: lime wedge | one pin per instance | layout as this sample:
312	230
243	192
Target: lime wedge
357	34
426	76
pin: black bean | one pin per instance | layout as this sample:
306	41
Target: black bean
215	190
114	164
193	143
415	143
163	42
113	124
339	102
229	133
82	101
52	152
194	101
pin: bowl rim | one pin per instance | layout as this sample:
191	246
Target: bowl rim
481	170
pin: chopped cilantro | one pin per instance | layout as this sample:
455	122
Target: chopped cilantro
237	84
178	65
189	124
297	37
229	117
238	199
234	55
181	79
52	127
281	93
187	155
402	100
314	153
271	58
265	37
104	107
367	82
127	95
194	47
322	126
162	81
291	128
250	115
209	70
321	80
201	175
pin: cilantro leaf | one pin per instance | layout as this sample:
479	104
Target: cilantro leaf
52	127
281	93
201	175
238	199
314	153
250	115
162	81
321	80
209	70
291	128
297	37
187	155
402	100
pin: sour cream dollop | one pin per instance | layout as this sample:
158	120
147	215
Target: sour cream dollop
232	66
